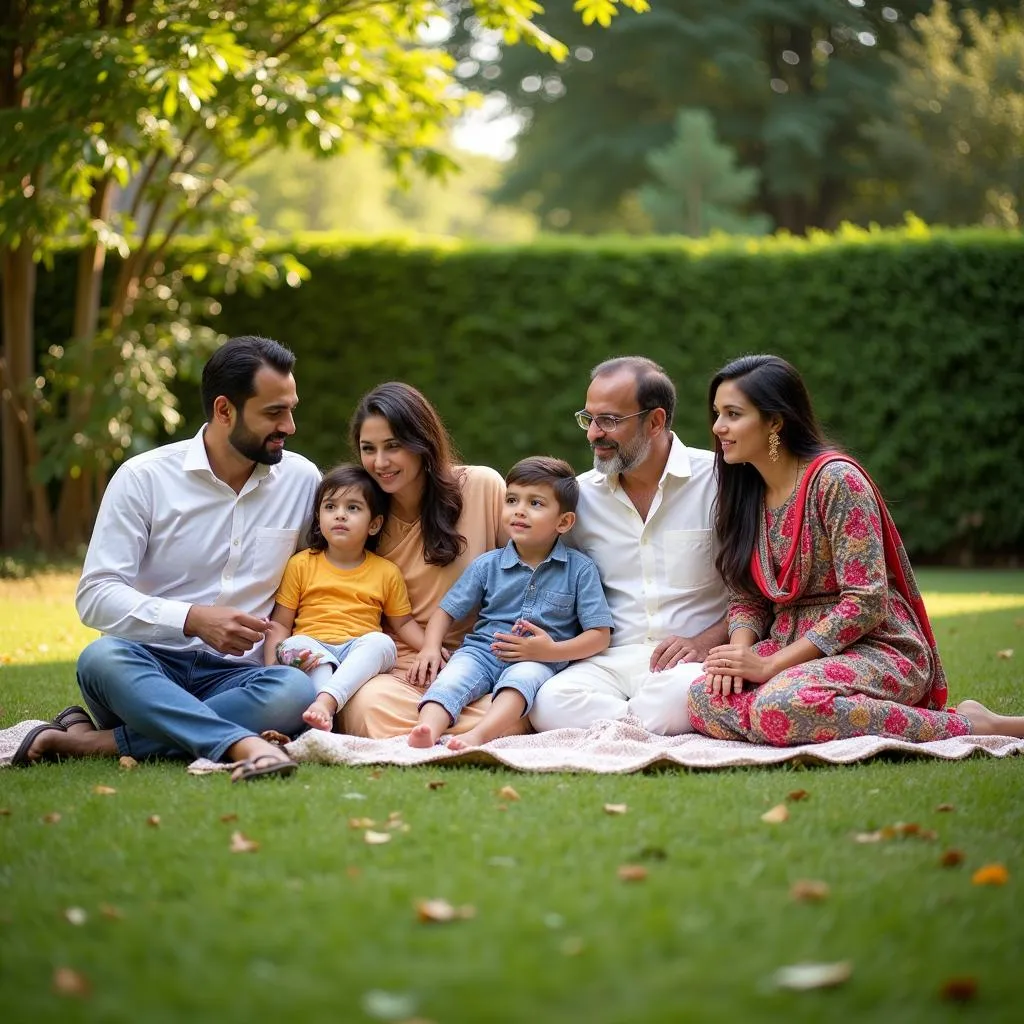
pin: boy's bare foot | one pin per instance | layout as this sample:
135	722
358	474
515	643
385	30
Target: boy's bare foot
988	723
320	714
472	738
422	736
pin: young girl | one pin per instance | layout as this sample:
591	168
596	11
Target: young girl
333	595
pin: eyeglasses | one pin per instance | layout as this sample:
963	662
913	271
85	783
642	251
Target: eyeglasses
606	424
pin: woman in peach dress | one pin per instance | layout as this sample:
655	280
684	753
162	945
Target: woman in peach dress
440	517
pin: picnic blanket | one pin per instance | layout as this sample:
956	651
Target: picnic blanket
620	747
608	747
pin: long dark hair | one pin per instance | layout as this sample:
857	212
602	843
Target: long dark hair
774	388
341	478
416	426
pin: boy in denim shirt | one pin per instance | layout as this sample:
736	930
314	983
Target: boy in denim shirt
541	606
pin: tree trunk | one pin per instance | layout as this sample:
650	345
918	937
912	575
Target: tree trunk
78	497
24	510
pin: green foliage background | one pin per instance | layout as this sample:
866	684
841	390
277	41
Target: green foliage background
912	343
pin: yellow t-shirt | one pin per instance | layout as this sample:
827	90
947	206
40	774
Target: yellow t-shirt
335	605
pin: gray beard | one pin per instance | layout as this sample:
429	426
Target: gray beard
624	458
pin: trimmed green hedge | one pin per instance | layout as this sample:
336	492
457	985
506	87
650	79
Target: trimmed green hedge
912	343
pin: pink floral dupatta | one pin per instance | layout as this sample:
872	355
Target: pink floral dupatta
791	579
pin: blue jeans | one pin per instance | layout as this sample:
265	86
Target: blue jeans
163	703
343	667
472	672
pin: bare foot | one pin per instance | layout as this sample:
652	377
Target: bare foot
988	723
466	740
320	714
421	736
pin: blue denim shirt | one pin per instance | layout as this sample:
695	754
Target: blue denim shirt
563	595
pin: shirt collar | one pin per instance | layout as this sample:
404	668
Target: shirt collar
510	557
197	461
678	465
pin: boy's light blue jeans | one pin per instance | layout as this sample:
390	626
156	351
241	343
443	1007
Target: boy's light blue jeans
343	667
163	703
472	672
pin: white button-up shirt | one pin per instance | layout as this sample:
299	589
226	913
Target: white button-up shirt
659	575
170	534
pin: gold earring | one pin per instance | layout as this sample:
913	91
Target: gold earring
773	446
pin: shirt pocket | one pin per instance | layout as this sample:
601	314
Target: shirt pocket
557	611
557	601
273	549
689	561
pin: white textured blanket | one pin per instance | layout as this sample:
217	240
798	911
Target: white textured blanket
619	747
606	747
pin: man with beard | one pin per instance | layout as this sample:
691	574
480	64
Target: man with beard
645	517
189	546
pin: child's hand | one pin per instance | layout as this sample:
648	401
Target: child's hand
424	669
302	659
526	642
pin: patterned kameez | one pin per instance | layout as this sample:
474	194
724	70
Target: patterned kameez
831	567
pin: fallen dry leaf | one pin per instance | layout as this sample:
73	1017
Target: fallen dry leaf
945	808
4	812
372	838
869	837
632	872
900	829
990	874
127	762
616	808
778	814
240	843
104	790
111	913
67	982
52	818
153	820
229	817
804	977
361	823
797	795
951	858
375	774
75	916
273	736
809	891
508	793
959	990
436	784
437	911
1007	653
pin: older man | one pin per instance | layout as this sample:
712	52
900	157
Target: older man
645	517
188	548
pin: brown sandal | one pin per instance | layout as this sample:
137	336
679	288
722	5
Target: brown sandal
74	715
264	766
21	758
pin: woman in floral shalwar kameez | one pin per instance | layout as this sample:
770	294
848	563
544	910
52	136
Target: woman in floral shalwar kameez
828	636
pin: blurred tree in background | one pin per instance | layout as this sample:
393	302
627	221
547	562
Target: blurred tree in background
126	123
951	148
699	188
294	191
791	87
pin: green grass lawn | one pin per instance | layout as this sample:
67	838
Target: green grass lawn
318	925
